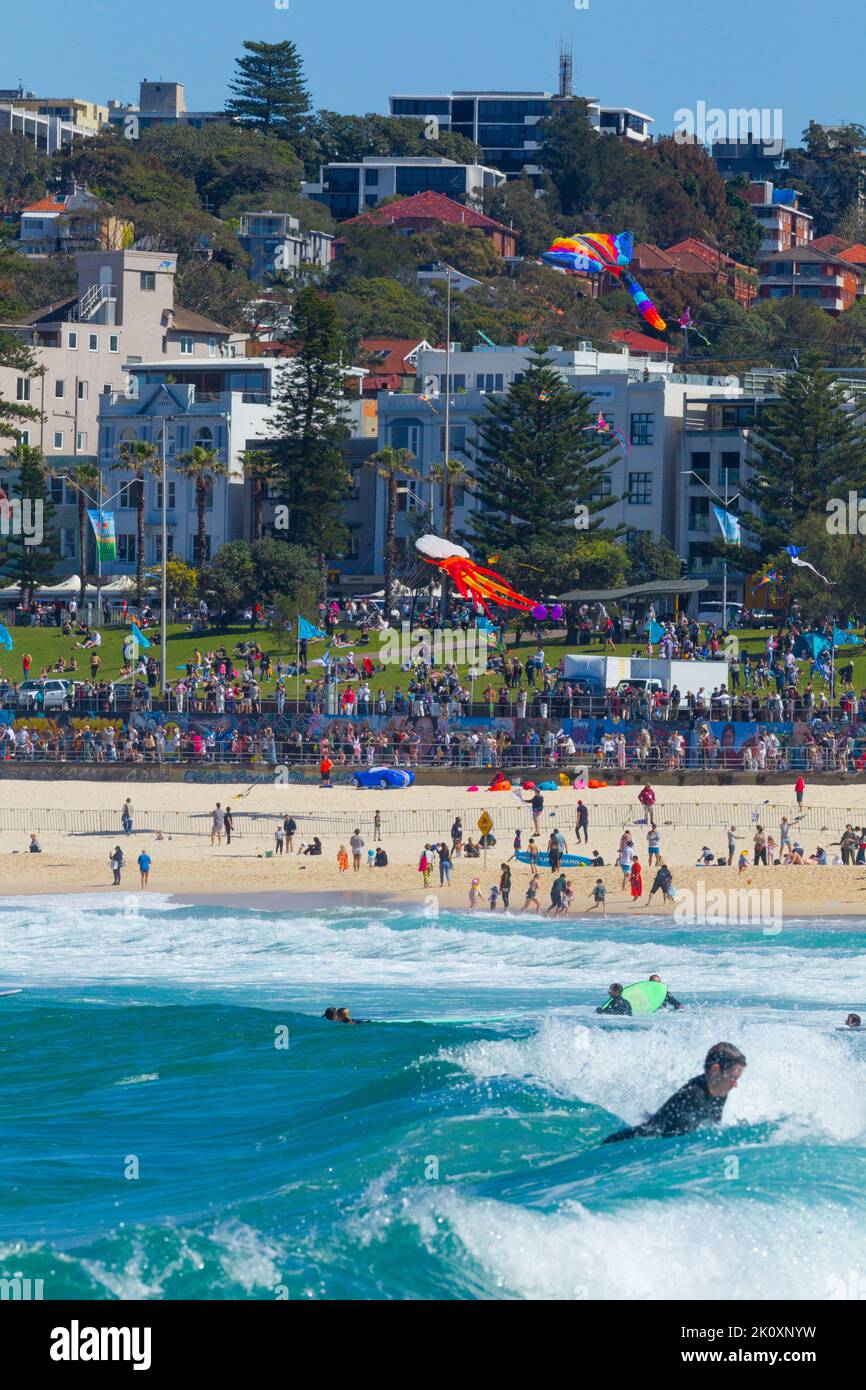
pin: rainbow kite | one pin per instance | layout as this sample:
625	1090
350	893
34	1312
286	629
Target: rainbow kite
591	252
471	580
603	426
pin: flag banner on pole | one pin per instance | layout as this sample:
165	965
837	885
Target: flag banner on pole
139	637
5	638
728	524
655	630
308	633
103	530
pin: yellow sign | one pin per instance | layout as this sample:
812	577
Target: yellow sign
485	824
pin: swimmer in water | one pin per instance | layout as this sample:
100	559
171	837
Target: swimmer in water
616	1003
668	1002
700	1102
852	1021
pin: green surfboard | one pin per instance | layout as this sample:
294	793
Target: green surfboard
645	997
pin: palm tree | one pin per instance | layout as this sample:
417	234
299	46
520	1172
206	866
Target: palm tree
139	458
261	468
84	481
201	465
449	474
391	465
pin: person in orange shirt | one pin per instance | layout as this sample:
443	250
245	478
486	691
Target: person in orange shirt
343	859
325	769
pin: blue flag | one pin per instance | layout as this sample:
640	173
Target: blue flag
140	637
308	633
656	631
729	524
5	638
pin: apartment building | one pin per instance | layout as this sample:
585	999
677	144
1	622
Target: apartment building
160	104
122	313
505	124
60	225
640	395
829	281
275	244
73	111
348	189
783	222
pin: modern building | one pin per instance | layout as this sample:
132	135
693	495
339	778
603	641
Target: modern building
640	395
783	222
504	124
21	113
830	282
352	188
425	212
275	244
753	158
159	104
73	111
73	222
85	347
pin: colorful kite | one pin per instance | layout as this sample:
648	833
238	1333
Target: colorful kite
687	324
471	580
603	426
795	552
771	577
592	252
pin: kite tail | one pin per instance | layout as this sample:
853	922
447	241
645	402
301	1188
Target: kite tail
646	308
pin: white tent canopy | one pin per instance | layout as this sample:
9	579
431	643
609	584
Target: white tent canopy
64	588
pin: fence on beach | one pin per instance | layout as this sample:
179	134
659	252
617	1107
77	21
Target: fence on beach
428	822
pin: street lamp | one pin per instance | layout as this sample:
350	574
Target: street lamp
725	501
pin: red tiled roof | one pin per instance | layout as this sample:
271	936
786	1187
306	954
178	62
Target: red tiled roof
434	206
648	257
853	251
391	354
703	251
638	342
46	205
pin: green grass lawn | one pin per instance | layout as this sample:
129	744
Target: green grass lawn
47	645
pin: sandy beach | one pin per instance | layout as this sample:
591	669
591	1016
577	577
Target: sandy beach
74	858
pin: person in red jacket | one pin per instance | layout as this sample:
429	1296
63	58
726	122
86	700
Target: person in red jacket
325	769
647	799
799	791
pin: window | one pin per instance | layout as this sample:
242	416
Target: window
147	280
213	347
642	429
640	489
187	345
457	439
80	442
25	436
22	388
72	342
128	494
113	343
603	490
93	342
58	439
204	437
55	491
729	470
700	464
82	390
59	390
407	435
172	493
126	546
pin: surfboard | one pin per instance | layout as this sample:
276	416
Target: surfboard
568	861
645	997
4	993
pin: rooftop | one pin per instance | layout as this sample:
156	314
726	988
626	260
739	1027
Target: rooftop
430	205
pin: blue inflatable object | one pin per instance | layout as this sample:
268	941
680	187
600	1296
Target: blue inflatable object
384	777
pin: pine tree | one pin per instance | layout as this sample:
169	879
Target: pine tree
310	428
537	460
16	355
269	92
29	565
808	448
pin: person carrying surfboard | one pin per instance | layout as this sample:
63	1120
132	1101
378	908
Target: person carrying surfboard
615	1004
668	1002
700	1102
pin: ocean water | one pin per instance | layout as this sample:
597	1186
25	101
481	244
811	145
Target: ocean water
178	1121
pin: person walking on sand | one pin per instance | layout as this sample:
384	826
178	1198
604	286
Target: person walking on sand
290	827
228	824
116	862
377	826
425	864
505	885
636	881
444	865
532	894
342	860
218	819
126	816
800	792
356	844
732	843
599	897
279	838
474	894
144	867
647	799
582	825
536	805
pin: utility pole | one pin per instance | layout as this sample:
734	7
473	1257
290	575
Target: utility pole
164	601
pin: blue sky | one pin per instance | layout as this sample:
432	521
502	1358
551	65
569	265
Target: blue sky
804	58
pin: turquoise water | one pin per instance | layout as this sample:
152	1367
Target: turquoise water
157	1140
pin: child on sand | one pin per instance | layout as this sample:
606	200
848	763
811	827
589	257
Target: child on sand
599	897
343	859
494	897
474	895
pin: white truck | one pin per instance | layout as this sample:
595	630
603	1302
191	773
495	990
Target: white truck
598	674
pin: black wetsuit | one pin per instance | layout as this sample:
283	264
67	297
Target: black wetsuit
669	1002
691	1107
616	1005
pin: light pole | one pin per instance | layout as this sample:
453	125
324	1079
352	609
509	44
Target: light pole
163	612
725	501
443	604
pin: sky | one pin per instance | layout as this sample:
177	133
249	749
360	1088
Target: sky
802	58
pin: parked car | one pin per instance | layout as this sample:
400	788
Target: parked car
384	777
47	694
710	611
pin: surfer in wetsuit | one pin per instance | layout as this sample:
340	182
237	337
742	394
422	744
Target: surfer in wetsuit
700	1102
616	1004
668	1002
